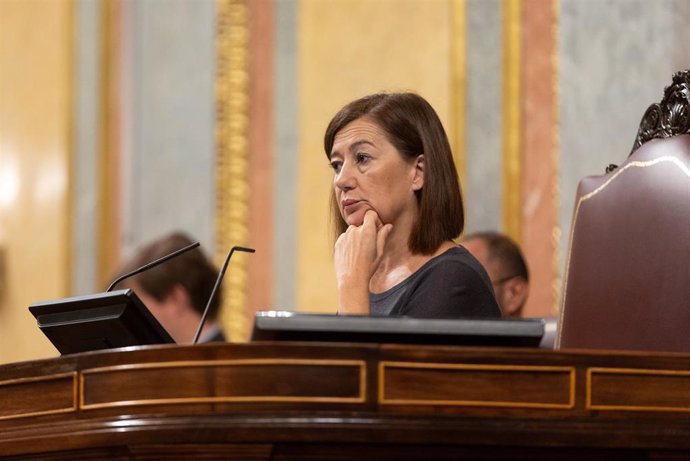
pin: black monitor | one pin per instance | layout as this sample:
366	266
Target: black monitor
289	326
101	321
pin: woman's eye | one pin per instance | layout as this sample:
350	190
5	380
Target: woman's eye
336	165
362	158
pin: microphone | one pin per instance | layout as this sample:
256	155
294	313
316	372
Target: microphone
152	264
215	288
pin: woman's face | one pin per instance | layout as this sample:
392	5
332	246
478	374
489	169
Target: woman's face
370	173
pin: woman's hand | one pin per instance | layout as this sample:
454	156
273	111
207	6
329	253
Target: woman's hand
358	253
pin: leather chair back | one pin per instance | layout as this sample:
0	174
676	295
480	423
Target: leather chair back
627	275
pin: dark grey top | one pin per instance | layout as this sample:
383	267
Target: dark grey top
451	285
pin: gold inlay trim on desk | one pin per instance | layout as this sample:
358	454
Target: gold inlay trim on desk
359	398
20	381
475	402
632	372
636	164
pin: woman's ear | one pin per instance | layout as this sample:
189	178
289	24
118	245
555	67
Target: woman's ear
418	178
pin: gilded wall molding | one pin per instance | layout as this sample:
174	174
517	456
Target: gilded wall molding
556	232
458	126
232	127
110	132
512	200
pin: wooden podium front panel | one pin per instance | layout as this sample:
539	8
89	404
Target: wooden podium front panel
224	381
39	395
344	401
507	386
638	390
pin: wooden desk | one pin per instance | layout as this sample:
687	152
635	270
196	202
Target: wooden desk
344	401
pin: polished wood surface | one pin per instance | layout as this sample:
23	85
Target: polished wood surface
342	401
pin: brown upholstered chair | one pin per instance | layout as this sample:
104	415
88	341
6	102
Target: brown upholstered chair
627	274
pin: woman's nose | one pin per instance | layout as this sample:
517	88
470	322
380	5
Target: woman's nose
345	179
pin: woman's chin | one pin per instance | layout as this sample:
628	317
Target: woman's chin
354	220
356	217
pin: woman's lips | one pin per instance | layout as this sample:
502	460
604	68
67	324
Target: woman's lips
349	206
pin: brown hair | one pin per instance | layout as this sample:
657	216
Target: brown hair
413	127
191	270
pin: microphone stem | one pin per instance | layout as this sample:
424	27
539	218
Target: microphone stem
152	264
215	288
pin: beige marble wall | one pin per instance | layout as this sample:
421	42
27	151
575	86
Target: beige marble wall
35	152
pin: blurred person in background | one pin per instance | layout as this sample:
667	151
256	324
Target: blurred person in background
503	260
176	292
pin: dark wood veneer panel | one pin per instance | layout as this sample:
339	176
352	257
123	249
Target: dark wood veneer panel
469	385
639	390
37	396
225	381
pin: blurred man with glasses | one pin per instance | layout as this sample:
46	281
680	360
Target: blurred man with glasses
503	260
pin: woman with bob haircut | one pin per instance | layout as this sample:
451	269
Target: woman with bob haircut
396	208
